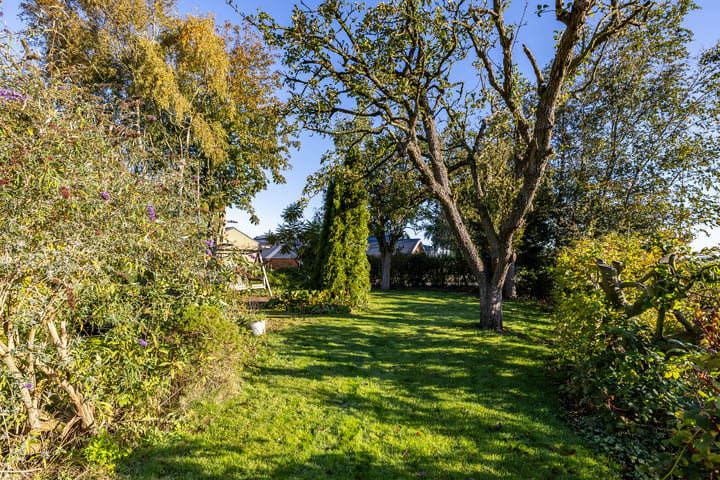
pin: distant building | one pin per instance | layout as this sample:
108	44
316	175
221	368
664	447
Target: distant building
237	240
273	256
248	266
404	245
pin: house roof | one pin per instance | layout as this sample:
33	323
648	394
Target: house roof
275	253
404	245
271	252
238	240
262	240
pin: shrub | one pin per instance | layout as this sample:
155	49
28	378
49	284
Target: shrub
310	302
104	450
341	266
422	270
585	322
99	252
623	373
286	279
696	431
206	334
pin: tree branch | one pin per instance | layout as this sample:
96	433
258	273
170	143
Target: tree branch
538	73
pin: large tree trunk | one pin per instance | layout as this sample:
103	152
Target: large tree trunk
386	263
509	287
491	314
490	286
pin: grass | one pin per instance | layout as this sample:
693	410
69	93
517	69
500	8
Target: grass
408	389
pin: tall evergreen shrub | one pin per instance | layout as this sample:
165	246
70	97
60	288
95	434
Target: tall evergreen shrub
342	267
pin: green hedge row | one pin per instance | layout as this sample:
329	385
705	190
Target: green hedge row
423	270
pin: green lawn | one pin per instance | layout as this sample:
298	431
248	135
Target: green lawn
408	389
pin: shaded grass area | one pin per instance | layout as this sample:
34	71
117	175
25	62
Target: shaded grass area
408	389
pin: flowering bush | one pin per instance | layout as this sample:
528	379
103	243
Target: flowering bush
99	252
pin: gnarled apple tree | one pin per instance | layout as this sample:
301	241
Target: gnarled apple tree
439	76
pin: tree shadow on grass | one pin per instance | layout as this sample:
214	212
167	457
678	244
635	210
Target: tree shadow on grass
178	463
367	391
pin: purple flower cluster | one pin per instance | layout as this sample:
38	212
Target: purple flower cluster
11	95
105	195
143	343
151	213
28	386
152	117
210	243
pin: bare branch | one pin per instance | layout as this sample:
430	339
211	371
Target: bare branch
536	68
505	38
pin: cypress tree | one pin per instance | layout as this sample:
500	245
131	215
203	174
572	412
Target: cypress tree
342	267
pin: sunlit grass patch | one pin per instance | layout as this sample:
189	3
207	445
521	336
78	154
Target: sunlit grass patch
409	388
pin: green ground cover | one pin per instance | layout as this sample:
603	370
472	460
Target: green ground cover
409	388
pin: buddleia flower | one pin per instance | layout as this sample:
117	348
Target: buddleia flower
11	95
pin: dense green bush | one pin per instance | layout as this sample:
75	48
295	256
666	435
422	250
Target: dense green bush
696	432
206	334
101	251
628	384
287	279
310	302
422	270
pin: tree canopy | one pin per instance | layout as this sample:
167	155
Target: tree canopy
393	65
639	148
202	93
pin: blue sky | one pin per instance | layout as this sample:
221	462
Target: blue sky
270	203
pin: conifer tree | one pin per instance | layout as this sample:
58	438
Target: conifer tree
342	266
